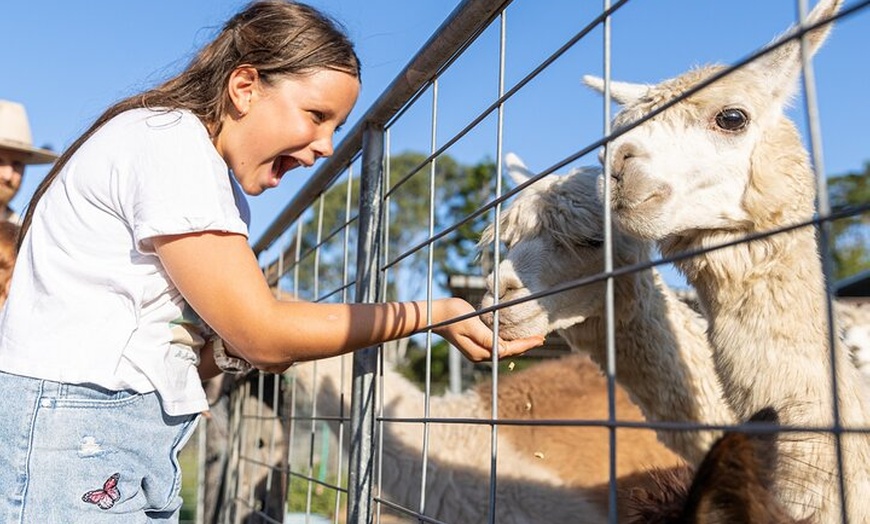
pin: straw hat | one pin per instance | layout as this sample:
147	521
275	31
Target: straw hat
15	134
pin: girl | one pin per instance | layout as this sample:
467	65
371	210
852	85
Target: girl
137	233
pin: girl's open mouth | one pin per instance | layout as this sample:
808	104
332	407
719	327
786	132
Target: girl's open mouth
280	166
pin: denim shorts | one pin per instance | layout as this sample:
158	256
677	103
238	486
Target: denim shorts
73	453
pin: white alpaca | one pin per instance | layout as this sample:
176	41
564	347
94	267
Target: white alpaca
545	473
720	165
553	231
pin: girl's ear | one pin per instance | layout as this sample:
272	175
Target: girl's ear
242	87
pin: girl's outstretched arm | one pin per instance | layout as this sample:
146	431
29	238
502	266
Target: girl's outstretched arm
219	277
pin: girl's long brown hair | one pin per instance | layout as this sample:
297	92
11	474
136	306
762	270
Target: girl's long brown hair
276	37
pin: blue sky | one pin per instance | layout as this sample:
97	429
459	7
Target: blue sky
67	60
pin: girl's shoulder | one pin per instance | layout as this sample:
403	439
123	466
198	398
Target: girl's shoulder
143	131
157	121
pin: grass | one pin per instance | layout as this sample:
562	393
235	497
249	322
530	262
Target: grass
322	499
189	461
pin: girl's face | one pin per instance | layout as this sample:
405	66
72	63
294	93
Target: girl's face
282	125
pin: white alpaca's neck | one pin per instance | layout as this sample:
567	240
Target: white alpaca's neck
766	304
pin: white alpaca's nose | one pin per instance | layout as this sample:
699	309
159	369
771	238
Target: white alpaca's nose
507	283
622	153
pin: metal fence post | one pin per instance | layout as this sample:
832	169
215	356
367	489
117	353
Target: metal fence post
362	413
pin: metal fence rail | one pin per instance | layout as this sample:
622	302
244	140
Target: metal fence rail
371	225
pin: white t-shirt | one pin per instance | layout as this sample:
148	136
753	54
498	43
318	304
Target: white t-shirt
90	301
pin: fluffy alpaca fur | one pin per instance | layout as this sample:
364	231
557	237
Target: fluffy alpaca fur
720	165
553	231
853	322
545	473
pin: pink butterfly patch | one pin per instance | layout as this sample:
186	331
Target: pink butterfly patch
104	498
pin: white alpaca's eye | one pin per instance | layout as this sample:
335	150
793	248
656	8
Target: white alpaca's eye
732	119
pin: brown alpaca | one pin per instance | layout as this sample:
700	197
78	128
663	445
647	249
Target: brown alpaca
572	388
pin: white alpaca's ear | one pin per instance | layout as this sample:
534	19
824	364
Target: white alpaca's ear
517	170
621	92
778	70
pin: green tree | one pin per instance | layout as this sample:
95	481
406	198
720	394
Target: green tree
850	235
459	191
326	268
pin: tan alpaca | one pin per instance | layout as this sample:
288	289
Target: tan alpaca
553	231
722	164
545	473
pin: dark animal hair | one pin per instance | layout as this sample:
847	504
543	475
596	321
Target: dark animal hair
733	484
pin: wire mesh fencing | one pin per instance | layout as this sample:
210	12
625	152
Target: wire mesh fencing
418	203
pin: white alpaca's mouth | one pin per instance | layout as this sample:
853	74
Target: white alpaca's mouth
520	321
640	200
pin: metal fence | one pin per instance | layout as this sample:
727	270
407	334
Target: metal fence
393	215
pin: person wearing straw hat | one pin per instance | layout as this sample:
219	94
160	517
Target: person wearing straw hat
16	152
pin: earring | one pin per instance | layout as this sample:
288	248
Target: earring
243	112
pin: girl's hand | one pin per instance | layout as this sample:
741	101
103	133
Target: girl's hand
471	336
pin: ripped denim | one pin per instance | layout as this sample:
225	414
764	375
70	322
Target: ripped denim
76	453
